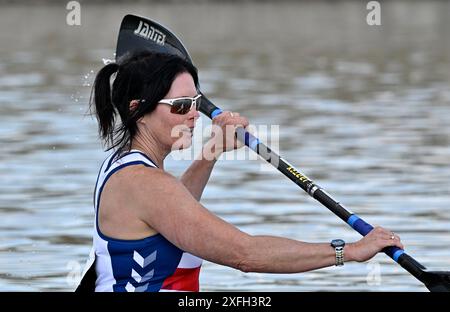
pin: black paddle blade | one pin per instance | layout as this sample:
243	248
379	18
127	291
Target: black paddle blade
437	281
139	33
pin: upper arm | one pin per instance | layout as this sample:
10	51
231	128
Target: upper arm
169	208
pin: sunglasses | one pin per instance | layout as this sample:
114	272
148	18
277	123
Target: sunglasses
183	105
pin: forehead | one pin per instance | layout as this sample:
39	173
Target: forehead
183	85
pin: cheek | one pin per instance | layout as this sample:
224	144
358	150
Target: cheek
170	126
174	124
178	137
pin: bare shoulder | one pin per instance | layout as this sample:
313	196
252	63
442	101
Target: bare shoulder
145	179
121	212
156	192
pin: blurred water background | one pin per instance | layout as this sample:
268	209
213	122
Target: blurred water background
363	110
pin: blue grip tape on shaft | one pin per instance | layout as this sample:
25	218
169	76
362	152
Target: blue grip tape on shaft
216	112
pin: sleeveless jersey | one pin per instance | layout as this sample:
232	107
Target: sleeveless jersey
150	264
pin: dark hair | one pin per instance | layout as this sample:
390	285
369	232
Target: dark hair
142	75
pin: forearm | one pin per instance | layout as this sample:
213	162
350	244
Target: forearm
281	255
198	173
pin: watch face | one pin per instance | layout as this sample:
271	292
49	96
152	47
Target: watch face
337	243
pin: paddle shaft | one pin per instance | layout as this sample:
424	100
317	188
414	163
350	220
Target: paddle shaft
315	191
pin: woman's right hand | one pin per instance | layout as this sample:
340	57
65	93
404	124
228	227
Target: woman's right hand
371	244
223	132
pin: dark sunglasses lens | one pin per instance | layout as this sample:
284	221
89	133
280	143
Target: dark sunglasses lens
181	107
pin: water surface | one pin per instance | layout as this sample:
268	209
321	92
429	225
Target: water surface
364	111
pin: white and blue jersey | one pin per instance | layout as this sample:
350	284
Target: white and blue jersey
150	264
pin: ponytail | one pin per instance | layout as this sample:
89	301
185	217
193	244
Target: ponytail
104	108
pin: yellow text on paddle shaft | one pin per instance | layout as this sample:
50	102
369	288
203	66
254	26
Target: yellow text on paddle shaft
297	174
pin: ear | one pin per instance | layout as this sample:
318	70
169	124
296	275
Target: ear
133	105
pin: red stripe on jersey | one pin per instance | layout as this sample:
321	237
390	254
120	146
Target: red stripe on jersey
183	279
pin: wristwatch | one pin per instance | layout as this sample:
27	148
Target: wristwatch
338	245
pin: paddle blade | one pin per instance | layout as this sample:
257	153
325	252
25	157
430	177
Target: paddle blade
437	281
139	33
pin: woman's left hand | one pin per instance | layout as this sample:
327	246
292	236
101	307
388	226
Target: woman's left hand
224	132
